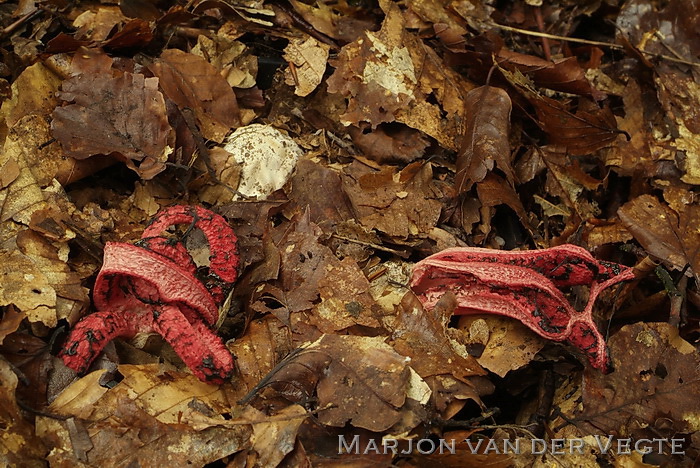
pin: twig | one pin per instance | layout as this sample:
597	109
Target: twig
368	244
610	45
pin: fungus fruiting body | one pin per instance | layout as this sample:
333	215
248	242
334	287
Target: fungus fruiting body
152	287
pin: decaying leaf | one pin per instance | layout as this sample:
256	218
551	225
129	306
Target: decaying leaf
230	58
359	380
265	343
508	346
139	420
311	178
656	377
32	170
635	155
273	438
392	67
421	335
679	95
401	144
307	59
485	140
667	232
122	114
399	204
39	283
228	177
192	83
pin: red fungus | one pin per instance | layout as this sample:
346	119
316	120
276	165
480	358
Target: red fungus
524	285
151	287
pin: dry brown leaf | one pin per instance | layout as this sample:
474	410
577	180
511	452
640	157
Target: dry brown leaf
668	233
677	20
494	191
123	114
421	335
391	76
274	436
361	380
564	74
309	179
264	344
135	33
400	204
97	25
345	24
679	95
566	180
307	59
303	264
587	129
390	143
228	176
51	260
31	359
635	155
485	139
334	293
10	321
230	58
509	345
656	376
139	420
39	283
34	91
192	83
613	233
345	298
34	168
467	454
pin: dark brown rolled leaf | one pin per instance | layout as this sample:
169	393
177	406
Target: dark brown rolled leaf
485	141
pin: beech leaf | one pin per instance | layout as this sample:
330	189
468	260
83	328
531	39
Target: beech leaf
193	83
485	139
122	114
